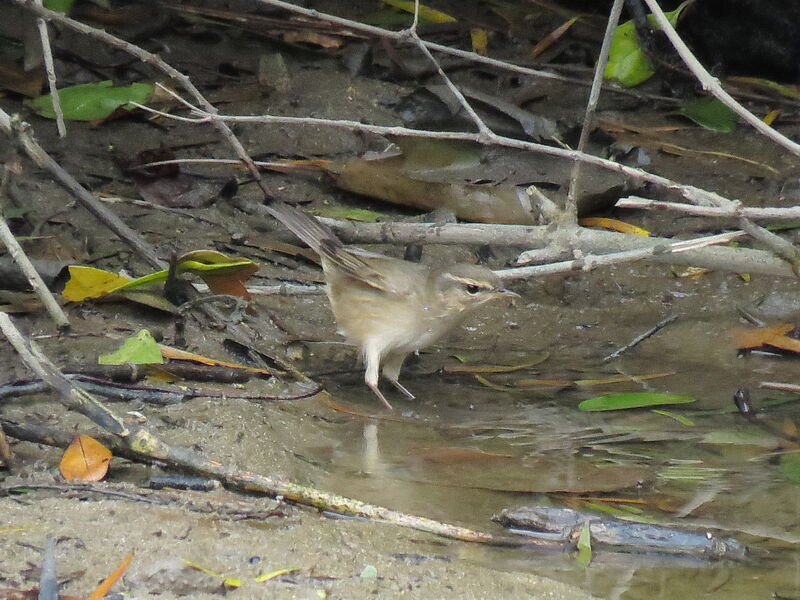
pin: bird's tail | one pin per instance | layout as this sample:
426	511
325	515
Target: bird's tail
321	239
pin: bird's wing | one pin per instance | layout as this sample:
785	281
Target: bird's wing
352	261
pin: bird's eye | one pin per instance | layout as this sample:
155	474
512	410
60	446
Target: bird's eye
472	289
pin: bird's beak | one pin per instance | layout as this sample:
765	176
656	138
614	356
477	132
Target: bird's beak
504	292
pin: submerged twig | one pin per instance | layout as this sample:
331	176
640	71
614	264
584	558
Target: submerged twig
641	337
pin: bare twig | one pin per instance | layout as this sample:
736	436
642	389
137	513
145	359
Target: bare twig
641	337
143	442
23	262
691	193
22	135
591	262
47	55
571	208
734	211
712	84
783	387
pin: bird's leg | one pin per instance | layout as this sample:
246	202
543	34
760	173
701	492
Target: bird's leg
391	370
372	359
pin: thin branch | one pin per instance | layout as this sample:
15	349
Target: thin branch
712	84
571	208
36	282
691	193
143	442
591	262
22	135
574	239
734	211
47	55
641	337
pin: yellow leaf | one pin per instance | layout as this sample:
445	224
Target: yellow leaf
229	581
613	225
480	41
770	117
274	574
88	282
431	15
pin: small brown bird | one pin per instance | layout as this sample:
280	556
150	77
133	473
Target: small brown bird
386	306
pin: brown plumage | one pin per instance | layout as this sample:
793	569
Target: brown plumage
386	306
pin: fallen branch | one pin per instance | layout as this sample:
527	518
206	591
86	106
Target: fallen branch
140	441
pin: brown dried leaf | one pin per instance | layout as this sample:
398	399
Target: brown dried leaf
85	459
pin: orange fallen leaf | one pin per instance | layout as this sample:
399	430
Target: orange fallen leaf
613	225
101	590
766	336
85	459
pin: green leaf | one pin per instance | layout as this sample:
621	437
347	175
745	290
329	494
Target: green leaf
632	400
139	349
790	467
585	545
62	6
92	101
369	572
627	64
679	418
710	113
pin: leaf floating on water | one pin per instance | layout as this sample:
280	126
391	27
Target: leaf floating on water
632	400
585	545
790	467
228	581
679	418
775	336
102	590
481	368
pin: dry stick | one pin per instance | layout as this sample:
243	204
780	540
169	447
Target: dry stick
24	263
22	135
690	192
641	337
712	84
780	246
47	55
571	208
143	442
158	63
471	56
771	214
591	262
737	260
